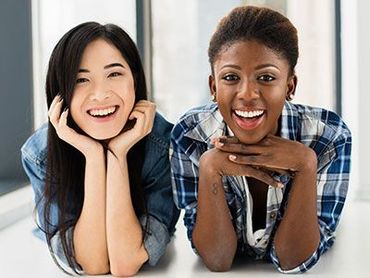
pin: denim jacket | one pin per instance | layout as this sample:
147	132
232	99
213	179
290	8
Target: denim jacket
162	213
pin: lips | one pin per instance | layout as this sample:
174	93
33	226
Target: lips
102	112
248	119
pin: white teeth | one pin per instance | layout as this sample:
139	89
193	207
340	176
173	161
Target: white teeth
102	112
248	114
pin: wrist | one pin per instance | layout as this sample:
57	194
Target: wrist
117	149
120	157
94	154
308	162
207	165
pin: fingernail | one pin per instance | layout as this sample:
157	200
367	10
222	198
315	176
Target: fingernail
232	157
219	144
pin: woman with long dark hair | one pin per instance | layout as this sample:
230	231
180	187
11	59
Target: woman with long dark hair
100	168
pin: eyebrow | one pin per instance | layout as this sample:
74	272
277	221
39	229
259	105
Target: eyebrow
231	66
267	66
257	67
105	67
113	65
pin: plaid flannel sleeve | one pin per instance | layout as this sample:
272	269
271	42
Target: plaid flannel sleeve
332	186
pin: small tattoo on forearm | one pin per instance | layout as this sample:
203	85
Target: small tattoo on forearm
214	189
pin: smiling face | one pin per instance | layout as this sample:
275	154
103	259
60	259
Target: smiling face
251	83
104	93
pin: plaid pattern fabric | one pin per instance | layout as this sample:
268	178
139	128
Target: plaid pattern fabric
319	129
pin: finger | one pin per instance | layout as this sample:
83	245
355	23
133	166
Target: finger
148	119
281	171
228	139
239	148
66	133
63	118
149	113
145	103
63	129
145	108
136	114
259	161
140	119
262	176
55	113
52	105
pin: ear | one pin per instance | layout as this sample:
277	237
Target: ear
291	86
212	86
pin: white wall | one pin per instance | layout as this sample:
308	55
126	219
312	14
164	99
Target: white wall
356	95
350	85
314	20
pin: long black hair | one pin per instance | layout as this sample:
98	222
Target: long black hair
64	183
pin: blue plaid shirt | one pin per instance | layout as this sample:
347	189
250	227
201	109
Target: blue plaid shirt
319	129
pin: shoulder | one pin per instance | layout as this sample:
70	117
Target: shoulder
198	125
194	117
325	132
321	122
35	148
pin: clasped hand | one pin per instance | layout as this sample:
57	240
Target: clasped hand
261	160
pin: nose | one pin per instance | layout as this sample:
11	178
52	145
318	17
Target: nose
248	90
99	91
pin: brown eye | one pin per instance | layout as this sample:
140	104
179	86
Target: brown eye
114	74
81	80
266	78
231	77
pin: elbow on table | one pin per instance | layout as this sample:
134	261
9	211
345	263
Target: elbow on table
95	269
125	269
217	263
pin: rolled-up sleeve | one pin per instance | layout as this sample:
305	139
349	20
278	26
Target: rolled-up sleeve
332	187
156	239
162	214
57	249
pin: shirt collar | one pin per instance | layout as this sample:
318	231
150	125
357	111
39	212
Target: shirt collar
210	124
289	124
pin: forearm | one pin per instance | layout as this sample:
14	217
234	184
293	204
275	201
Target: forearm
298	235
124	232
214	236
90	232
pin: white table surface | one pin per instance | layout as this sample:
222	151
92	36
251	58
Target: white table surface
23	255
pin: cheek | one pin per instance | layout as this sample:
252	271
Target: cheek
75	109
127	94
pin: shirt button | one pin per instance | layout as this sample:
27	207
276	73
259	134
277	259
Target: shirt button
272	215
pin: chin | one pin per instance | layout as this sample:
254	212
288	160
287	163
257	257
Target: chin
250	138
103	135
